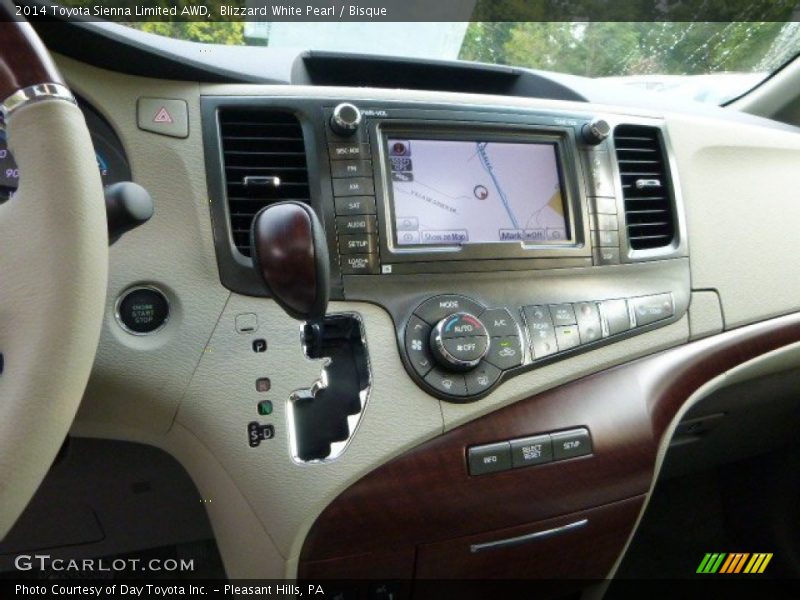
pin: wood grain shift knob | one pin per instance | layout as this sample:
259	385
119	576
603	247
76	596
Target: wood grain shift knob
290	252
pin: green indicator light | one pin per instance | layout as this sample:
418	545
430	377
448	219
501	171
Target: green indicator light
265	407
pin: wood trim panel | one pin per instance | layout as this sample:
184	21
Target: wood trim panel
585	553
426	495
24	61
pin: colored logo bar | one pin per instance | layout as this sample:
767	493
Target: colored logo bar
735	562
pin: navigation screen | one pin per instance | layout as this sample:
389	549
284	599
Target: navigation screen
465	192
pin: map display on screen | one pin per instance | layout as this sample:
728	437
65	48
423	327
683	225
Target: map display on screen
465	192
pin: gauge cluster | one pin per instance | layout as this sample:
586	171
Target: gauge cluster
111	159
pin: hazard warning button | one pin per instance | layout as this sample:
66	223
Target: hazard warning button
166	116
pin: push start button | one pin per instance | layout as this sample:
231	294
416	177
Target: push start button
142	310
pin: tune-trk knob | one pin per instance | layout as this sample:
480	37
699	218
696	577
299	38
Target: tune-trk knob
595	131
459	342
345	119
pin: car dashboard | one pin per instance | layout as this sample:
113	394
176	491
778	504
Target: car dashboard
497	384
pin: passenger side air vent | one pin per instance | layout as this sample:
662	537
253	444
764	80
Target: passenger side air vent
265	162
649	212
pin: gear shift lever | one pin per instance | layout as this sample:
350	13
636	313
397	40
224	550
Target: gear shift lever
291	254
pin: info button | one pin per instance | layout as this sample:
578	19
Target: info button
489	458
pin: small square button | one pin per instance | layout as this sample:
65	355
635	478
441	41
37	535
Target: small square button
246	323
265	407
563	314
166	116
489	458
567	337
534	450
260	345
263	384
572	443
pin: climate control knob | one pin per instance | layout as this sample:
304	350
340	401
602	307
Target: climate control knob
459	342
345	119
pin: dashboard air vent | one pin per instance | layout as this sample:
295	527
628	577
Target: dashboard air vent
265	162
649	210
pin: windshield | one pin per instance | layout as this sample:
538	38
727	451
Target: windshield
707	62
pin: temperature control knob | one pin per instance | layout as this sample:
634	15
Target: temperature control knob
459	342
345	119
595	131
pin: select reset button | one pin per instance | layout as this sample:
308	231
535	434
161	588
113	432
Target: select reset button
489	458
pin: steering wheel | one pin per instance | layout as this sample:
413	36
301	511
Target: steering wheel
53	264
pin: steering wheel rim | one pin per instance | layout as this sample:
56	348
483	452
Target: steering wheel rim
53	264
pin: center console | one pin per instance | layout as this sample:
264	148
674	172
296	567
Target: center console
498	239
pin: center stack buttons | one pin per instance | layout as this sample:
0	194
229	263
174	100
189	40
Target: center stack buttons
353	192
483	342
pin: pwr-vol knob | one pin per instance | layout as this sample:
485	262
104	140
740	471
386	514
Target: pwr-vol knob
345	119
459	342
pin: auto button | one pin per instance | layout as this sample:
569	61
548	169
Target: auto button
462	325
459	342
